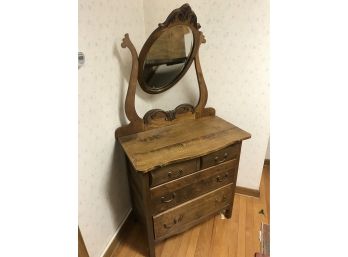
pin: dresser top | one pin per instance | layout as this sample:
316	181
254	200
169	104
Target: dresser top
182	141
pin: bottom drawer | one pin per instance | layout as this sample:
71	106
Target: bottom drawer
186	215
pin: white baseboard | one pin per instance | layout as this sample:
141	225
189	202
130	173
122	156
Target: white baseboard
117	231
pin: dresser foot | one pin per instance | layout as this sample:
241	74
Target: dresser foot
228	212
151	249
150	242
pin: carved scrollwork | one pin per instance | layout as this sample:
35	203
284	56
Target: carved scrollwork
167	115
183	108
182	14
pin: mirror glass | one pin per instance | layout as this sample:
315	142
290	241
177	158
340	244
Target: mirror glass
167	58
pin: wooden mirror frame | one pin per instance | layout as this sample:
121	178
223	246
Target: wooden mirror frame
181	16
158	118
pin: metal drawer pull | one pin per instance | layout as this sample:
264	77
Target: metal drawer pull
221	179
175	174
222	200
168	198
175	221
217	158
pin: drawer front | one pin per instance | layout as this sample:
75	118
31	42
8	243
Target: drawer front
188	214
223	155
173	171
175	192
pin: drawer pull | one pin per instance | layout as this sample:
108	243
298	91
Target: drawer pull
175	174
217	158
168	198
175	221
223	199
222	178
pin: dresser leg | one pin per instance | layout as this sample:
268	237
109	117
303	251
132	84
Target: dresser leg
151	248
228	212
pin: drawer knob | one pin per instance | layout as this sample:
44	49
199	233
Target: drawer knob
175	221
217	161
222	178
223	199
175	174
168	198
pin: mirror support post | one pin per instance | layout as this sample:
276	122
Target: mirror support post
136	123
203	92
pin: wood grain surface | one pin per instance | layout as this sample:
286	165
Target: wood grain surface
180	142
174	171
191	213
186	188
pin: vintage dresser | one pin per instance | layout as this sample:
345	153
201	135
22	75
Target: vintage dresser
183	163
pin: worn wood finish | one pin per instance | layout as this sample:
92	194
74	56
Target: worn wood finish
148	217
175	192
141	202
159	185
183	216
179	142
188	192
214	237
174	171
229	153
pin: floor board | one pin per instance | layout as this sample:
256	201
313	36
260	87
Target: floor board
235	237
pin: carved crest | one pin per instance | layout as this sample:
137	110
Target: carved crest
182	14
167	115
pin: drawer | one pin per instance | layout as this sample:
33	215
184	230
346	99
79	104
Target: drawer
186	188
186	215
173	171
226	154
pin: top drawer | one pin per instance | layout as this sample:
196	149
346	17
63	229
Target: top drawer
173	171
226	154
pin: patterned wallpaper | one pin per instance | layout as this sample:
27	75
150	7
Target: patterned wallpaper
103	80
235	63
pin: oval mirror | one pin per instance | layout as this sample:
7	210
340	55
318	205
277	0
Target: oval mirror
166	60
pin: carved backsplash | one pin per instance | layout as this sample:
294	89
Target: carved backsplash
167	115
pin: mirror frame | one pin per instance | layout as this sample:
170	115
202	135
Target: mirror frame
180	16
156	118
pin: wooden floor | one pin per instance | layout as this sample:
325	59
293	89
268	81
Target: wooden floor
235	237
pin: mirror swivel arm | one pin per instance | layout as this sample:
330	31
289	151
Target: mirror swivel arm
136	123
130	111
203	92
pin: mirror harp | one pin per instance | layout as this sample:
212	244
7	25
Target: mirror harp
155	118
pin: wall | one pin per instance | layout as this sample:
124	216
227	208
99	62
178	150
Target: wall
235	63
103	80
268	154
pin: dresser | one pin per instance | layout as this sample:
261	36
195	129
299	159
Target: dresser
183	163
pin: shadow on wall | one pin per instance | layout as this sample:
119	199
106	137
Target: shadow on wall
117	186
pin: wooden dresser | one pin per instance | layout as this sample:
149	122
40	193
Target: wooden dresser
183	163
182	174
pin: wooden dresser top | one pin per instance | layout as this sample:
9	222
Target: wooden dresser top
182	141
